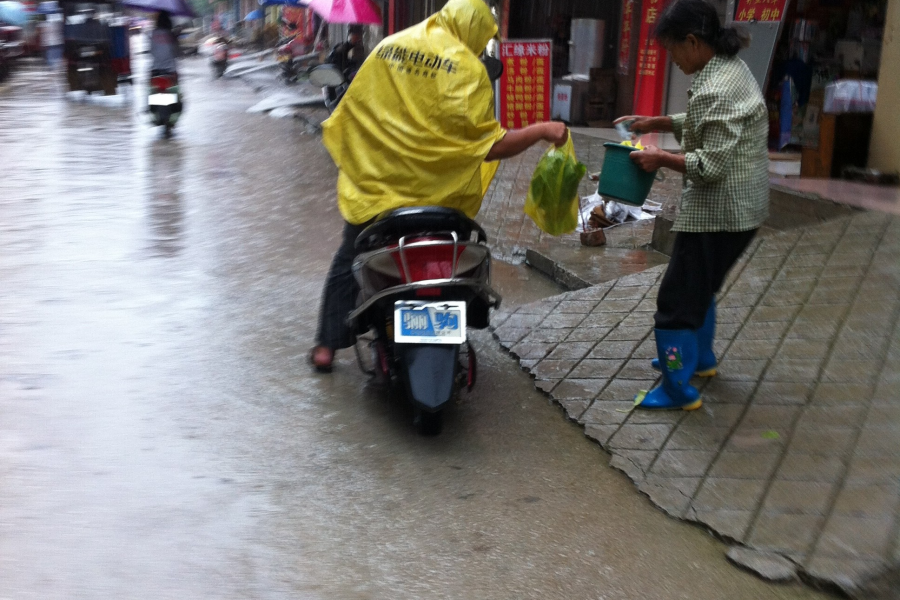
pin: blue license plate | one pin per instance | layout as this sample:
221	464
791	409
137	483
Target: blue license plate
430	323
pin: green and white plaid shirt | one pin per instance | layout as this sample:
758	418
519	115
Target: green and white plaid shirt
724	136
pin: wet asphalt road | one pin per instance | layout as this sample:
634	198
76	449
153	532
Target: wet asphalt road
161	435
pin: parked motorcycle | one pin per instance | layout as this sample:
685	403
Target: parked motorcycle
333	82
425	276
164	100
218	60
293	59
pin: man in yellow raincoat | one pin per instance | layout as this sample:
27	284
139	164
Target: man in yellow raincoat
415	128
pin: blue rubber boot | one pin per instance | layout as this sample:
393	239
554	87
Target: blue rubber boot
706	358
677	350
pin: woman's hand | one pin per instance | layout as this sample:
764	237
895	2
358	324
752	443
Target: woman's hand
650	158
556	133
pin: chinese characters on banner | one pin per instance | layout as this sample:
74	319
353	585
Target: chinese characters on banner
524	87
625	46
651	63
759	10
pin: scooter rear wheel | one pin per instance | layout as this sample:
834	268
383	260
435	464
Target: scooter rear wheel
429	423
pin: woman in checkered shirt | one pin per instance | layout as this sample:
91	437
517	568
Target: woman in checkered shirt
724	159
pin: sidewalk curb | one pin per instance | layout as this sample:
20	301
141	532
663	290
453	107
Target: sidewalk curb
555	271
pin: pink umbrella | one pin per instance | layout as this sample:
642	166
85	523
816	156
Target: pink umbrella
347	11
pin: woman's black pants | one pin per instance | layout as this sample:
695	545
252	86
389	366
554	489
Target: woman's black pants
339	294
698	267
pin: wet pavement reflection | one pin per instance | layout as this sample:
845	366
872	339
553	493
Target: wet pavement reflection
161	435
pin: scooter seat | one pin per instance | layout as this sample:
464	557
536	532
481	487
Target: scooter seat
392	225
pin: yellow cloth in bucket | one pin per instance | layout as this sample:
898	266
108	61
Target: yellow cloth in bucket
418	120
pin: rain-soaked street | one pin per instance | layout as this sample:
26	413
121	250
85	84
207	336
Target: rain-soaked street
162	436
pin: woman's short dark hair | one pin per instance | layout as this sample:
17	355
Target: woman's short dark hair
163	20
700	19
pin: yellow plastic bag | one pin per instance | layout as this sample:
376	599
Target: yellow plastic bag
552	201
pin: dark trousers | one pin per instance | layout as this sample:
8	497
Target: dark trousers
339	294
698	267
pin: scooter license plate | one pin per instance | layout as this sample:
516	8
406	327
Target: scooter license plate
163	99
429	322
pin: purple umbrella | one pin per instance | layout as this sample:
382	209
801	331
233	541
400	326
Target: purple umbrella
178	8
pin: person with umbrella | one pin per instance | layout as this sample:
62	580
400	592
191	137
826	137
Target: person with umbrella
415	128
164	48
348	56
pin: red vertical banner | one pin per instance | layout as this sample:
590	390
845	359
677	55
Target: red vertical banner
624	63
524	87
649	85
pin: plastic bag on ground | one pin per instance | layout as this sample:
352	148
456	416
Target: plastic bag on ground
552	201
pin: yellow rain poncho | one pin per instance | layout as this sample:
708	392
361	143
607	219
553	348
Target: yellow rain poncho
418	121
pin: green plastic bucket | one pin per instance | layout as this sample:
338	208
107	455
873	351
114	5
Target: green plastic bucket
621	179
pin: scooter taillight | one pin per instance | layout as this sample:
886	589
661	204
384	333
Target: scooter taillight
161	83
426	262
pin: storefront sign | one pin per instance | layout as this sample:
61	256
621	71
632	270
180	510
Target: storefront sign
759	10
625	44
651	63
524	87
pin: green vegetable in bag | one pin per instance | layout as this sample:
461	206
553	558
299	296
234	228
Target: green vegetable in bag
552	201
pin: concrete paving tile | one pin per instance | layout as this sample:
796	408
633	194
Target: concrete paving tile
793	534
857	538
770	416
625	389
574	408
562	320
882	441
729	523
799	497
638	368
724	391
732	315
715	415
841	272
579	307
800	466
873	470
595	292
612	350
623	334
547	385
607	412
646	305
587	334
881	415
542	334
851	371
509	336
755	439
868	501
762	330
570	350
789	393
635	292
764	314
745	465
850	415
813	330
792	272
812	312
793	348
533	350
822	440
844	571
720	493
741	370
653	417
683	463
793	370
622	305
590	368
519	319
633	463
739	300
807	259
671	493
742	286
552	369
698	437
811	247
600	433
750	349
646	350
604	319
578	389
642	320
831	394
542	308
823	295
727	331
887	391
640	437
848	260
